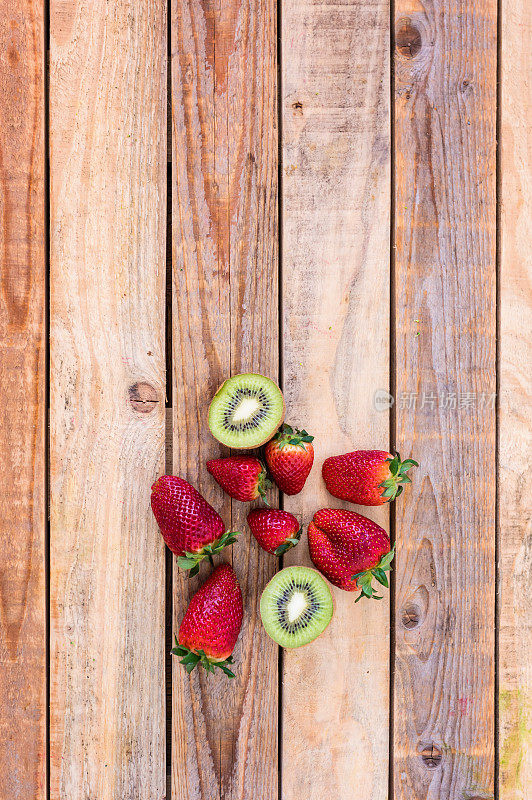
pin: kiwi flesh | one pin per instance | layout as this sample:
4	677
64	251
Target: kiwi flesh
296	606
246	411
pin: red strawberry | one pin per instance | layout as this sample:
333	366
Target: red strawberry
190	526
366	477
289	456
350	550
276	531
212	622
242	477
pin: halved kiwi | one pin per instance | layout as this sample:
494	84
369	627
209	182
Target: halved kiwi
246	411
296	606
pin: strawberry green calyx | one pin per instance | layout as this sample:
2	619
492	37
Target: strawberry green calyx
364	579
191	658
192	561
288	544
264	485
393	486
288	435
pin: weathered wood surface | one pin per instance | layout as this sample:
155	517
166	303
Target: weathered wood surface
445	109
108	209
224	221
22	404
336	200
108	143
515	448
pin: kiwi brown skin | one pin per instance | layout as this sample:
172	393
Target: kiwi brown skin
270	435
302	646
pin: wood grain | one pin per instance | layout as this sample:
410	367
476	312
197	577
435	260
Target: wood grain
108	211
224	216
515	460
445	109
22	414
336	201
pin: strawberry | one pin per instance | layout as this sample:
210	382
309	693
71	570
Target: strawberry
289	456
350	550
276	531
212	622
190	526
242	477
366	477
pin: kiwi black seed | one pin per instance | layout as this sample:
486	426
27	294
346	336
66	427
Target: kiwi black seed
246	411
296	606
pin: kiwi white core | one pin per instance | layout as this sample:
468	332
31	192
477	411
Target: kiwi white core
247	407
296	606
246	411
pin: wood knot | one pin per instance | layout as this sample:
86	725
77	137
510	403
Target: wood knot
431	756
410	616
143	397
298	107
407	39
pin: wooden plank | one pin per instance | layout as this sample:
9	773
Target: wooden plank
515	459
224	322
336	200
108	212
445	110
22	416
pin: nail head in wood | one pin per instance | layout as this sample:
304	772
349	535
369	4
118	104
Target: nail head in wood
407	39
143	397
431	755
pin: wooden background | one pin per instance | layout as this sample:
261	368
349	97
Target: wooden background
336	194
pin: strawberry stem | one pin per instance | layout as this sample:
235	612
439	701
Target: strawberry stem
264	485
191	561
288	544
364	579
287	435
393	486
191	658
